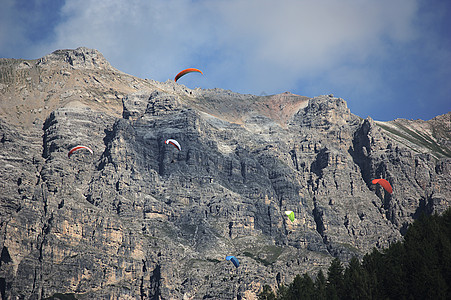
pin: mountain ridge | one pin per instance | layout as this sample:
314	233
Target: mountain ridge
139	219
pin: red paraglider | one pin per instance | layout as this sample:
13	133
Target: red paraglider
384	183
71	151
186	71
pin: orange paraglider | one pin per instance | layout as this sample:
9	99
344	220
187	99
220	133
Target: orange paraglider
384	183
186	71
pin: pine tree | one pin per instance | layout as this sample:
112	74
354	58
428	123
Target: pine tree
423	244
444	249
356	281
373	264
320	286
301	288
308	287
282	292
394	274
294	289
335	280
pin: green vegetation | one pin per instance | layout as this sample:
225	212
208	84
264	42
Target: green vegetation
213	260
266	255
417	268
425	141
417	138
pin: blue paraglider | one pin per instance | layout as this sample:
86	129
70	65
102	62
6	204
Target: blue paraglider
234	260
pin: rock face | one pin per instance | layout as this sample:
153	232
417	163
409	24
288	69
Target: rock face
139	219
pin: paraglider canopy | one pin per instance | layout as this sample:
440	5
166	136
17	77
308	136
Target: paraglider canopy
290	215
76	148
384	183
234	260
173	142
186	71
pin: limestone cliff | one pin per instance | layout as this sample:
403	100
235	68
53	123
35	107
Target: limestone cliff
139	219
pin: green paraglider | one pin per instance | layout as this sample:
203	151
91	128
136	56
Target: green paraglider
290	215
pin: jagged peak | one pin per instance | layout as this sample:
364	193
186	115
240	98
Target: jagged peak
369	120
79	58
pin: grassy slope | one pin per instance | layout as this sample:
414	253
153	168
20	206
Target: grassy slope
422	136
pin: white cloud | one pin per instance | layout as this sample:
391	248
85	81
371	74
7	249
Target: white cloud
251	45
145	38
298	38
290	38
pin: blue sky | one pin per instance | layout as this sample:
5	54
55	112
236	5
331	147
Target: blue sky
388	59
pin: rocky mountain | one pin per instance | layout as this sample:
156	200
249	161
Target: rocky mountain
139	219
